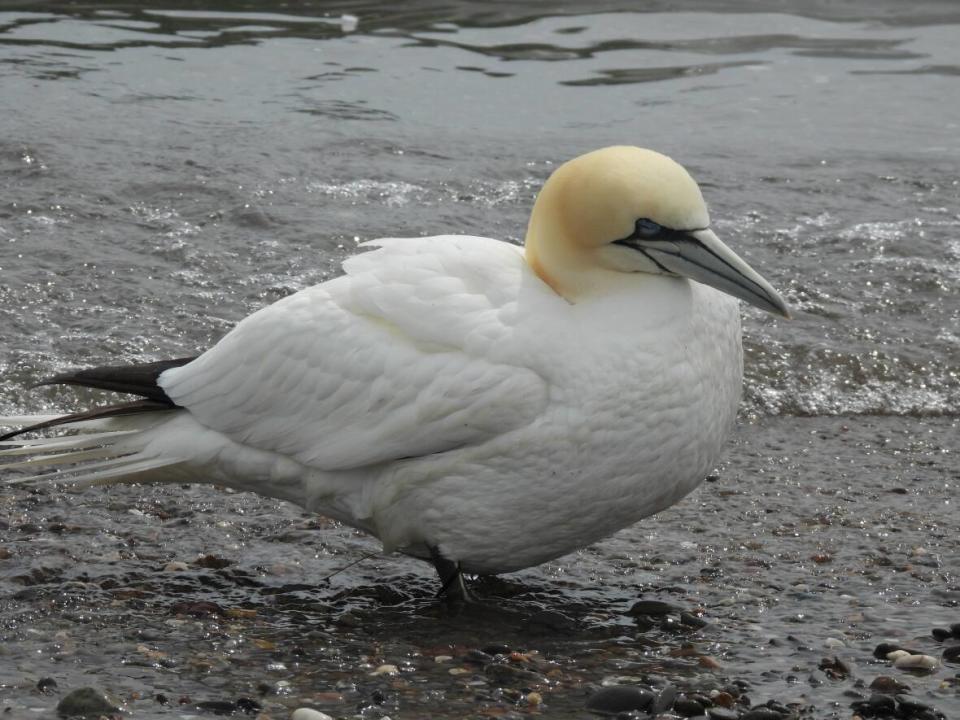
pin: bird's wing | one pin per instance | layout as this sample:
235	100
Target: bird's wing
395	359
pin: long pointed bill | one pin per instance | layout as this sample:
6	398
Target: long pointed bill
701	256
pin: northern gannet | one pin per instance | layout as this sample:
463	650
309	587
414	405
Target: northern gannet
470	402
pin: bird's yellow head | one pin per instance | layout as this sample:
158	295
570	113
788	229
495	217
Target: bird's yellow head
629	210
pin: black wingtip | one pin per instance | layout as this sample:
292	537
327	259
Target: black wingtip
130	379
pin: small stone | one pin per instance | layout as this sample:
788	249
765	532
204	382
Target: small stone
664	700
85	702
619	698
46	685
512	675
241	613
386	670
941	634
691	620
722	698
478	656
895	655
708	662
916	662
721	713
911	704
884	649
534	699
197	609
834	643
821	558
834	667
176	566
443	658
762	713
309	714
952	654
888	685
955	629
656	608
687	707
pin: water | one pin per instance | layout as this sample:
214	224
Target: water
168	168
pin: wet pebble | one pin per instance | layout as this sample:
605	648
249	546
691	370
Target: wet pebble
763	713
620	699
309	714
884	649
723	698
664	700
877	705
952	654
941	634
687	707
46	685
511	675
722	713
911	705
478	657
386	670
916	662
85	702
888	685
656	608
835	668
691	620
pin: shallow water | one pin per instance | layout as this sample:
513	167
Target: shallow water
165	171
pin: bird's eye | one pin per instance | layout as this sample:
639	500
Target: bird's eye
647	228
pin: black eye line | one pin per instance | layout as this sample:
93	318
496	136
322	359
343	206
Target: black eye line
664	230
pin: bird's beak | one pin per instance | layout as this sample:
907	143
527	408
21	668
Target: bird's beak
701	256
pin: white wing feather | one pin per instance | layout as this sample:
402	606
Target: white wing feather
395	359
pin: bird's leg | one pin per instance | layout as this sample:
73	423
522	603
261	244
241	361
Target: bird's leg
452	586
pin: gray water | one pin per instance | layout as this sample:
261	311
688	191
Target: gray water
166	168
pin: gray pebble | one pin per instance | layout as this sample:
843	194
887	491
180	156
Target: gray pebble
652	607
688	707
664	700
619	699
911	704
46	685
691	620
952	654
941	634
762	713
720	713
85	702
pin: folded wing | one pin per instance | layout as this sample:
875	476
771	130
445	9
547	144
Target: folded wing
397	359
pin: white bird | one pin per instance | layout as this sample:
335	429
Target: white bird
480	405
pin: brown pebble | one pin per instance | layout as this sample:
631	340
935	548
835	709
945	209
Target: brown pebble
723	699
888	685
709	662
245	613
821	558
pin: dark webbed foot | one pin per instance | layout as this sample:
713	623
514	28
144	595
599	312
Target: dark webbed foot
452	586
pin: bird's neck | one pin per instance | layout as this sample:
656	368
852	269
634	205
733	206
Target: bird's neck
565	265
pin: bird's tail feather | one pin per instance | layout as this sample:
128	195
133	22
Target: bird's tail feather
107	450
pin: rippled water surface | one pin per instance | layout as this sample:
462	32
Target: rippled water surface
168	168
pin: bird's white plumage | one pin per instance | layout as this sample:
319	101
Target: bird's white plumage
440	394
462	395
403	356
